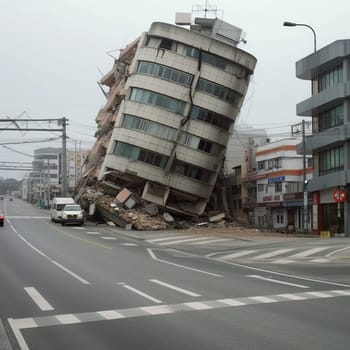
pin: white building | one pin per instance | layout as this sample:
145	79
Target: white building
279	182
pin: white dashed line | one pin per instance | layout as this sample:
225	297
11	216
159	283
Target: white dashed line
170	286
238	254
147	296
39	300
277	281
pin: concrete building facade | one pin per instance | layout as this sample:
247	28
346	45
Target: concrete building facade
173	98
328	70
279	186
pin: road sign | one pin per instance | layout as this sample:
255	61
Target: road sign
339	196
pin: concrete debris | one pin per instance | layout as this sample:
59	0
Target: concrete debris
151	209
123	206
123	195
217	218
168	218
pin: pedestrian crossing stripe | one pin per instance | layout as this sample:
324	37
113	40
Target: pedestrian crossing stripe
106	315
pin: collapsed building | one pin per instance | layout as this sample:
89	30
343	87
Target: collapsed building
173	96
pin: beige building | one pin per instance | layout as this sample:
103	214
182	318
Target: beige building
174	95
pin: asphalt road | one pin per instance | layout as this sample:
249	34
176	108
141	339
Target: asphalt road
93	287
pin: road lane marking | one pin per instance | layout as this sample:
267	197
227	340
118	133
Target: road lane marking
93	233
273	253
154	257
277	281
337	251
291	296
320	260
39	300
120	314
282	274
70	272
49	259
308	252
158	309
111	314
283	261
263	300
198	305
108	238
237	254
178	289
129	244
232	302
80	239
147	296
210	241
168	238
68	319
184	241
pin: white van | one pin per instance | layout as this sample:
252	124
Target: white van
57	206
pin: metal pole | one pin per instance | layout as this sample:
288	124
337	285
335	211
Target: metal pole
64	158
48	183
304	180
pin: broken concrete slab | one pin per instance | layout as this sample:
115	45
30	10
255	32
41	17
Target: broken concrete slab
217	218
123	195
151	209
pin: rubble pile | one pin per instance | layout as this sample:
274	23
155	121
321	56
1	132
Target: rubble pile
124	209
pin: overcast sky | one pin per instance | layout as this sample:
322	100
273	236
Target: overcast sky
54	51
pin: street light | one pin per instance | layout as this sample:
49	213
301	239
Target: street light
292	24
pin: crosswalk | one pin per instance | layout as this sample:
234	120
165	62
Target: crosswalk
189	240
280	255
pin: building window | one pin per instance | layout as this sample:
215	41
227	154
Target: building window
274	163
261	165
331	118
137	153
192	171
149	127
210	117
330	78
219	91
165	132
261	187
153	98
278	186
164	72
331	160
166	44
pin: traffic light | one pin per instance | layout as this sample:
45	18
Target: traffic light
306	182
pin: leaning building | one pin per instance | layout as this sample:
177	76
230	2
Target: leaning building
172	100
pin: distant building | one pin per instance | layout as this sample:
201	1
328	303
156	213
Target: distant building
45	181
279	183
174	95
328	69
240	161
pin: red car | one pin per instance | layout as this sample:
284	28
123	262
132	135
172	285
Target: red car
2	218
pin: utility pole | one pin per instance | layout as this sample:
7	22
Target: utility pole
64	157
304	180
296	130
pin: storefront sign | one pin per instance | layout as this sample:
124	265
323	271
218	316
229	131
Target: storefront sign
274	180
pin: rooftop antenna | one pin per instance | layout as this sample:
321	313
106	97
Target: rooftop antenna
208	10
